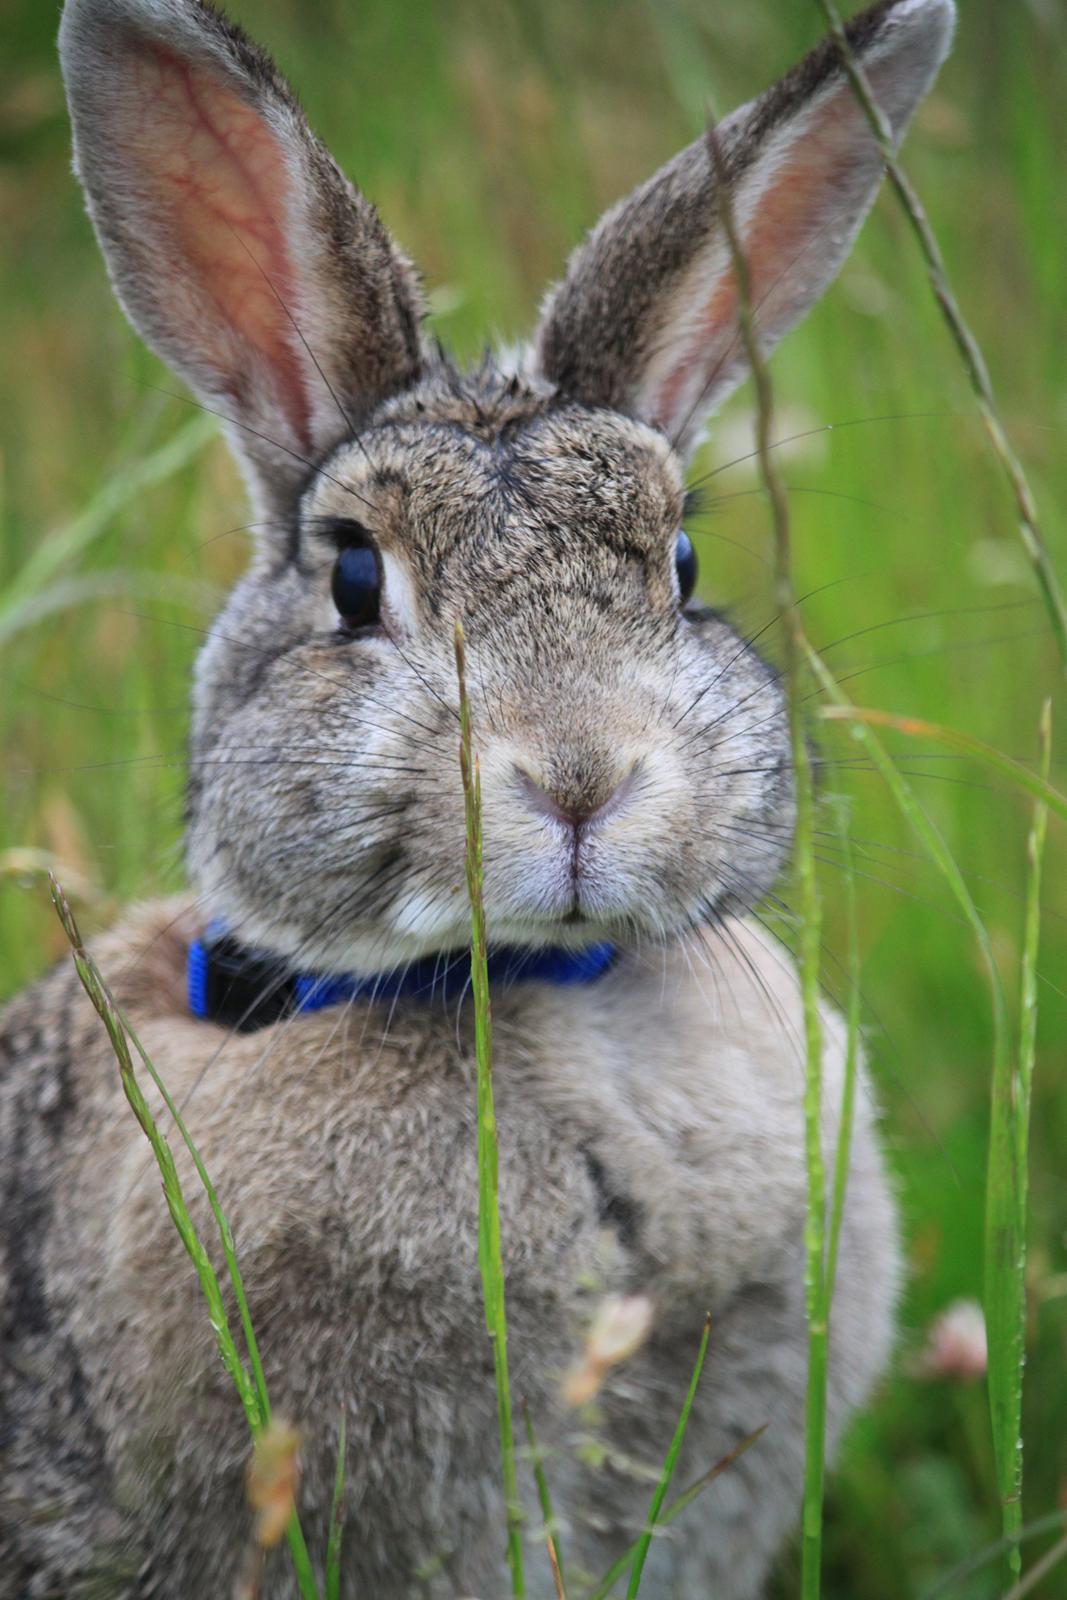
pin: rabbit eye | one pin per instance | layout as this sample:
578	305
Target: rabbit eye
357	585
685	565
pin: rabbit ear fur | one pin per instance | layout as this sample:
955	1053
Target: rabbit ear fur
236	246
645	320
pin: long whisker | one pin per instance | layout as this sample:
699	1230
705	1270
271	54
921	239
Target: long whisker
824	427
314	467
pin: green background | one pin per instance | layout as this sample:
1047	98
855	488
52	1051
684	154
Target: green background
491	134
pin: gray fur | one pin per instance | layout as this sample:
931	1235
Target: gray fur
651	1127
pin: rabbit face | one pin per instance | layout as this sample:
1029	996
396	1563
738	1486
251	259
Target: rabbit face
633	750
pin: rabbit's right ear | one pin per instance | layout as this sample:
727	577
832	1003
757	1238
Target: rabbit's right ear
645	320
236	246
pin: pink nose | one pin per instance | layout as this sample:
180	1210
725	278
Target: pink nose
587	811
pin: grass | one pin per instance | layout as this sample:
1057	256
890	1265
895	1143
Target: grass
337	1518
251	1389
670	1461
967	346
490	135
817	1282
544	1497
1006	1205
490	1261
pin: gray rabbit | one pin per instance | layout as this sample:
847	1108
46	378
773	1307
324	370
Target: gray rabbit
637	800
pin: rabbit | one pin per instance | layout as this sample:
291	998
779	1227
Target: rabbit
638	801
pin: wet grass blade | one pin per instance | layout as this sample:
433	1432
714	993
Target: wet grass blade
974	1563
1006	1205
1039	1571
490	1259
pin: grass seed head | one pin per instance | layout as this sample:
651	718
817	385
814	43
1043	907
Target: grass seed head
621	1326
273	1480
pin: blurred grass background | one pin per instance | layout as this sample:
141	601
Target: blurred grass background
491	133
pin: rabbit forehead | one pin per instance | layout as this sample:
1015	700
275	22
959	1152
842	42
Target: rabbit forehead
497	477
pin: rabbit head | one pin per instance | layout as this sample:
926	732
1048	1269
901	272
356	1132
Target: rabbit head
634	749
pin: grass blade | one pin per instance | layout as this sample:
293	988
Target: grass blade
337	1518
1040	1570
670	1461
545	1499
1036	783
1001	1201
1053	1521
807	886
966	344
251	1390
1035	850
490	1259
101	997
675	1509
852	1042
221	1220
924	829
1006	1203
56	552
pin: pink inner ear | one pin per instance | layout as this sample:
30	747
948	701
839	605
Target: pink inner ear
789	213
218	177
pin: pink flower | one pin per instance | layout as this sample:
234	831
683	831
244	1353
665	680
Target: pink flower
955	1345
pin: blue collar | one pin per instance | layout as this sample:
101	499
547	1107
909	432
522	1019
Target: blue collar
248	989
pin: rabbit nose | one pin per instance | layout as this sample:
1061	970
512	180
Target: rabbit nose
578	808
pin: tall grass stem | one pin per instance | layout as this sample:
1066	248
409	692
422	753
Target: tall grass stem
252	1392
490	1258
1001	1189
852	1045
966	344
1006	1202
555	1555
669	1463
619	1568
806	879
1035	783
337	1516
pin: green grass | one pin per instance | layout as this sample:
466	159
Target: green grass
251	1386
670	1461
490	134
490	1259
808	897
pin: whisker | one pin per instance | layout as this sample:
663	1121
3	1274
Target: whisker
313	467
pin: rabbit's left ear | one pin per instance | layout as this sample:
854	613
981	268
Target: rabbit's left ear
645	320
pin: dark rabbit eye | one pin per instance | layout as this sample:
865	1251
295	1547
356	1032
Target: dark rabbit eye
685	564
357	585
